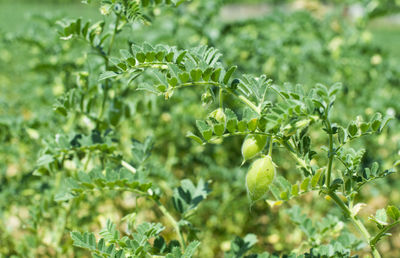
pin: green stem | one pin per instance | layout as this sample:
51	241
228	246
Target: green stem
226	135
351	139
249	103
277	92
128	166
174	223
221	98
382	232
103	103
88	157
154	64
61	229
330	155
219	85
122	188
70	123
292	152
353	217
356	221
113	35
271	140
240	97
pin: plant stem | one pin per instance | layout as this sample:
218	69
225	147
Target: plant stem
299	160
383	231
88	157
271	140
219	85
113	35
353	217
128	166
174	223
62	225
356	221
330	155
221	98
248	102
106	64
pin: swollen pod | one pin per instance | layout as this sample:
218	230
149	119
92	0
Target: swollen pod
259	177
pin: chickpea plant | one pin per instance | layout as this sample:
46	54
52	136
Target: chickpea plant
267	116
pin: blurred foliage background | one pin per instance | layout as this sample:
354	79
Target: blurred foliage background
306	42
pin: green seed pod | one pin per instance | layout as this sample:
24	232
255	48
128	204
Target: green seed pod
259	177
219	115
252	145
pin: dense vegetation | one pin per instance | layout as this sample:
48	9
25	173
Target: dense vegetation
165	129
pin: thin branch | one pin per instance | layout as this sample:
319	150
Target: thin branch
173	222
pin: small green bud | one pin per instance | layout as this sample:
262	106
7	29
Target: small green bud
219	115
252	145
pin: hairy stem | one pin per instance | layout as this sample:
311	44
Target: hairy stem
103	103
294	154
248	102
356	221
242	98
173	222
330	155
353	217
221	98
88	157
113	35
128	166
63	220
382	232
271	141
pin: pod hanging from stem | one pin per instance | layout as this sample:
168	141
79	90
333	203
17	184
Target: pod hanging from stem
259	177
253	145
